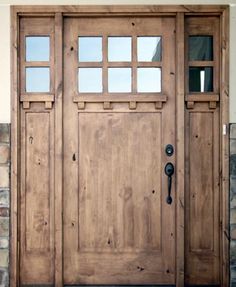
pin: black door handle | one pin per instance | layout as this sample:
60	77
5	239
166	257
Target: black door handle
169	171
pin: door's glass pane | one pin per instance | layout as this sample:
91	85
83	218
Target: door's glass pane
37	79
200	79
37	48
119	80
149	80
149	49
90	80
119	49
200	48
90	49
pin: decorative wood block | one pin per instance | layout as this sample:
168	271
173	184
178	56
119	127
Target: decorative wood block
212	105
107	106
81	105
132	105
190	105
26	105
158	105
48	105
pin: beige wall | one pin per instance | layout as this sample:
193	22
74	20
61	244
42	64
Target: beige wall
5	42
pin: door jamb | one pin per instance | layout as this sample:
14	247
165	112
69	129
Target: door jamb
118	10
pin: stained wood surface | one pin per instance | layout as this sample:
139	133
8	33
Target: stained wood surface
118	228
107	10
224	146
37	180
202	173
37	198
203	253
15	120
180	147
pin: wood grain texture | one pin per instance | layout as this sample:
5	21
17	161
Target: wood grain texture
14	250
119	182
108	10
118	228
224	146
202	173
58	149
36	198
121	112
180	146
202	197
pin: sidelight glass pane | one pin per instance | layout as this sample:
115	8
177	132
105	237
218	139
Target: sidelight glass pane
37	79
200	79
200	48
90	49
119	80
149	80
119	49
90	80
149	49
37	48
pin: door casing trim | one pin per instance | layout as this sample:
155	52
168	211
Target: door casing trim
179	11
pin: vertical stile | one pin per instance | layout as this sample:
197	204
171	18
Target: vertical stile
180	149
58	149
224	120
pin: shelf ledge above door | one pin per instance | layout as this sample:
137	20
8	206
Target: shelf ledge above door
107	100
211	98
28	98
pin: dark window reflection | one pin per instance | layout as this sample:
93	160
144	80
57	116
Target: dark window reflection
200	48
200	79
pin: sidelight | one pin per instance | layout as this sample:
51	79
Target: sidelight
200	79
200	48
37	48
37	79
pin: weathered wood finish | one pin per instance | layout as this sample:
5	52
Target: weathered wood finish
58	149
36	240
224	145
115	189
37	186
37	197
15	124
202	172
180	146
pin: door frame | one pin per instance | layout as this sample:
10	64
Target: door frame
178	11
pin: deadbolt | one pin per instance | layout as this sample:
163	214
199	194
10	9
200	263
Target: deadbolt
169	150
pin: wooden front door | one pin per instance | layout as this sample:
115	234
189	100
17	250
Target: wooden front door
119	168
119	115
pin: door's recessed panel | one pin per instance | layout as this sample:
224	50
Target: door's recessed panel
149	80
149	49
90	49
119	182
37	79
37	48
37	192
90	80
119	49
